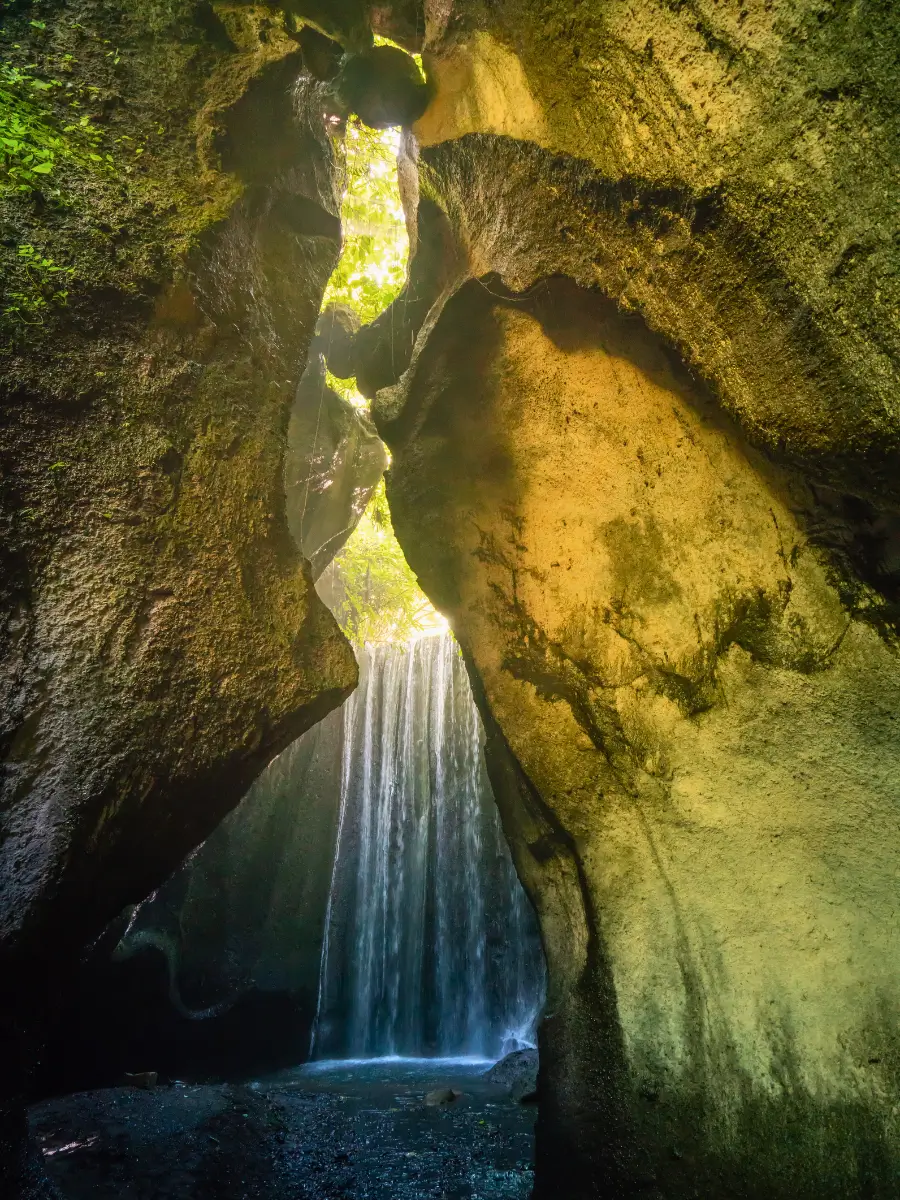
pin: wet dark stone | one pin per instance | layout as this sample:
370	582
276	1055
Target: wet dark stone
383	87
517	1073
335	334
321	55
334	462
362	1134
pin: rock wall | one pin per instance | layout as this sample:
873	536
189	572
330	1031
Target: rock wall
334	462
644	457
247	909
215	975
160	638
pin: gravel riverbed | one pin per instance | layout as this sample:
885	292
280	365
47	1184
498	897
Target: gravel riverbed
341	1131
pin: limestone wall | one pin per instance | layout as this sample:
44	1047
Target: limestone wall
644	457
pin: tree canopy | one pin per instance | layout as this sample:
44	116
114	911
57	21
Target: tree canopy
372	266
376	596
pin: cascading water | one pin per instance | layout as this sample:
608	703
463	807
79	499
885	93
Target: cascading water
431	947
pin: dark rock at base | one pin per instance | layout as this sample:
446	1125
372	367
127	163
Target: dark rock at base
215	976
22	1175
297	1139
441	1096
123	1014
141	1079
517	1072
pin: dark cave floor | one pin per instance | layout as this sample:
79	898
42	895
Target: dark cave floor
357	1132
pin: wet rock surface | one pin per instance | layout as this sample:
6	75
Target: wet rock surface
643	461
517	1073
357	1133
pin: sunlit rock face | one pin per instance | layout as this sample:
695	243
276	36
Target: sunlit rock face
161	639
645	459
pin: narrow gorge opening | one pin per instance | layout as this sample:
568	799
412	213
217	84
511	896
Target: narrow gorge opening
357	922
430	947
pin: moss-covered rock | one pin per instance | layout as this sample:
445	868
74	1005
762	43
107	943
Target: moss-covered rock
160	637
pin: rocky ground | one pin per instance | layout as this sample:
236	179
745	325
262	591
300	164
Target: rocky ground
360	1133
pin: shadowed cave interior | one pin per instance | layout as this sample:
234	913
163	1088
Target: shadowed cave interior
359	911
449	583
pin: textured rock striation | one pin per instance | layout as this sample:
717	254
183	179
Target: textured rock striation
160	638
644	440
334	462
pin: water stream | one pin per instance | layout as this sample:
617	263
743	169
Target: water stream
431	947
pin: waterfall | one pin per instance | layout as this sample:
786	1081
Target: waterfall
431	947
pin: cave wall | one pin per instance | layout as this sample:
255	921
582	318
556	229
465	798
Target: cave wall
712	736
215	975
745	152
644	456
160	638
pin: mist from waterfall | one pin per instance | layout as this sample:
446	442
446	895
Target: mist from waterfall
431	946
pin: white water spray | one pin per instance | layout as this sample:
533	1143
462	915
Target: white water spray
431	947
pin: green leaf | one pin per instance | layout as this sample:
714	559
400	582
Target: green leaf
377	597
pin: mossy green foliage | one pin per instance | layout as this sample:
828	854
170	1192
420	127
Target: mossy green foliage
102	108
44	286
47	142
372	269
33	139
379	597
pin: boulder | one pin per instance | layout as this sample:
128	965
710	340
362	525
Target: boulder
383	86
516	1073
335	333
145	1080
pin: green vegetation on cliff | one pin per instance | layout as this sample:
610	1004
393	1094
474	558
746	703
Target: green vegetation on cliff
372	268
111	120
378	596
33	141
